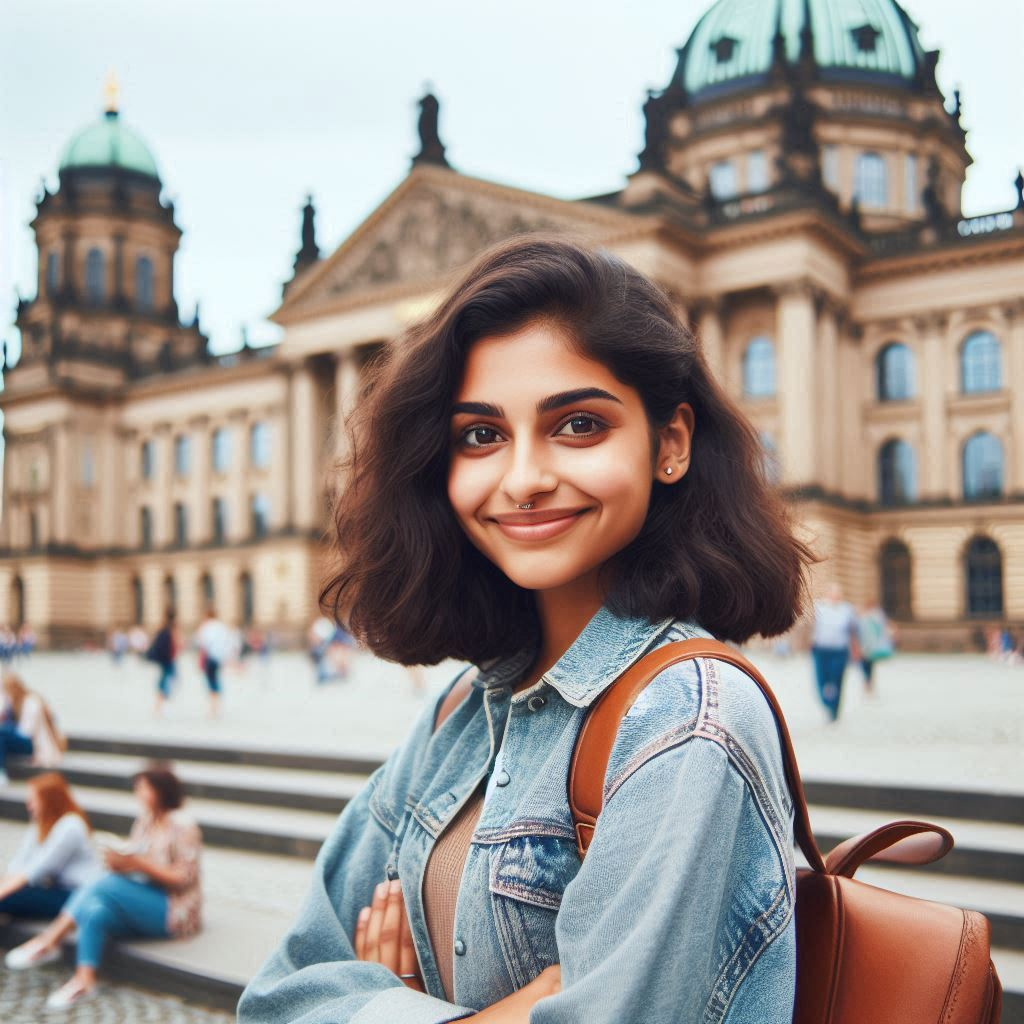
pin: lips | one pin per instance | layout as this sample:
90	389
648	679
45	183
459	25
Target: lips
540	525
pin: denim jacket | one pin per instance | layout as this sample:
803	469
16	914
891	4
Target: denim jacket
682	911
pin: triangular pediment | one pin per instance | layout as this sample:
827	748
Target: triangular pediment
433	223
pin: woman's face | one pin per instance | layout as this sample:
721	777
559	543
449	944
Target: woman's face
147	796
33	804
535	422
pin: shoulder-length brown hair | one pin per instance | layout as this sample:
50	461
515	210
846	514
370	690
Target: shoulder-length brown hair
55	800
717	547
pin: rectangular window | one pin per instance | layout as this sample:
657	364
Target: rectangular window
182	454
259	445
219	526
145	527
870	186
147	460
221	450
757	171
830	167
723	179
180	524
88	467
260	512
910	169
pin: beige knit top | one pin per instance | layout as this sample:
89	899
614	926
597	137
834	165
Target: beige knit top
441	880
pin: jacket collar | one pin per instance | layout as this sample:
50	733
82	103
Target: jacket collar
608	645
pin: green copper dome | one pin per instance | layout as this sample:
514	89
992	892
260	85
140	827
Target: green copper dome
736	41
109	143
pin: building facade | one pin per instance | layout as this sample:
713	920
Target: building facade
798	196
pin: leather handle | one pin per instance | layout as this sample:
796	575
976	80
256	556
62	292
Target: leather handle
597	737
899	842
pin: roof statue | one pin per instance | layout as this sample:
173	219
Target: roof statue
431	147
112	92
657	113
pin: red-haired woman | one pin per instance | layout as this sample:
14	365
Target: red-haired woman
151	891
546	481
56	856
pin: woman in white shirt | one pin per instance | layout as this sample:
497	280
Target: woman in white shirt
32	731
56	856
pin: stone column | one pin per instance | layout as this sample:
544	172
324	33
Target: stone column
709	315
829	456
931	383
201	512
305	449
61	474
163	473
1014	318
240	523
797	383
278	470
119	295
68	270
346	392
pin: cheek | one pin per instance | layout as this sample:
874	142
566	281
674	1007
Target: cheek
469	486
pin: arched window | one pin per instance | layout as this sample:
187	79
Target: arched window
894	369
894	575
144	283
52	272
759	369
983	467
870	184
206	592
170	594
772	464
897	473
95	277
980	363
247	598
138	602
983	573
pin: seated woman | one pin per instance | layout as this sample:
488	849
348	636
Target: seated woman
28	728
152	891
56	856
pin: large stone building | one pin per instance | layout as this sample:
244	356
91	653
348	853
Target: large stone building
798	194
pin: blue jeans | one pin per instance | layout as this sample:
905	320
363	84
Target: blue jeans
829	666
166	679
212	675
35	901
12	742
115	906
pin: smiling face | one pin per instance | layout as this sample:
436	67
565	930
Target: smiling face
536	423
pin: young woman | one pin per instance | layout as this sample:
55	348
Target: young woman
150	889
29	729
546	482
56	855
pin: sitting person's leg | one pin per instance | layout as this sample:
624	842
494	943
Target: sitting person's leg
12	742
35	901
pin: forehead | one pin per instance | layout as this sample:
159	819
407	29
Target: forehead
535	361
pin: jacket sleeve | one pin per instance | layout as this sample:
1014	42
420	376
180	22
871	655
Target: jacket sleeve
683	913
313	976
64	841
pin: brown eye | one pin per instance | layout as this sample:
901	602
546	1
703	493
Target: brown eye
480	437
579	426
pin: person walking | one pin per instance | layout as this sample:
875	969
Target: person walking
875	636
216	646
55	857
835	630
163	651
150	889
29	728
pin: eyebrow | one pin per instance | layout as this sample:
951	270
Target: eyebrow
549	404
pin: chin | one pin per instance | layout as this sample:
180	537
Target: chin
543	575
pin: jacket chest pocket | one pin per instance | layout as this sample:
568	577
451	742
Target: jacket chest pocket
528	876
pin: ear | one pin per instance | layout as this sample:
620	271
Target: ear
674	443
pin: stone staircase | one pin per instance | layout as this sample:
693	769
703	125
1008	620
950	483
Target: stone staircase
265	812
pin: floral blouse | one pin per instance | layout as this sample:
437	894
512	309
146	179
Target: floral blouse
173	841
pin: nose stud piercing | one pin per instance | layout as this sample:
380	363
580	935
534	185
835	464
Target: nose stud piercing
528	505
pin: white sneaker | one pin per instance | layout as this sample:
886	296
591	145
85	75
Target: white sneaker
68	995
30	954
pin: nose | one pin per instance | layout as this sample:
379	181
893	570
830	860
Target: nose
528	473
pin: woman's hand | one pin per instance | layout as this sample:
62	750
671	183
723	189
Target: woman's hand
515	1009
383	935
120	863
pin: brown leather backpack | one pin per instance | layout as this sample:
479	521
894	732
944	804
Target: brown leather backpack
864	955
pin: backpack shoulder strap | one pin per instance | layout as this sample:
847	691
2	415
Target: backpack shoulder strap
597	737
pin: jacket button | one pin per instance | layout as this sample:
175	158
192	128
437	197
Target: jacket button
536	702
460	947
502	778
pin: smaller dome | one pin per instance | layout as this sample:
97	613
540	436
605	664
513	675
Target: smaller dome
109	143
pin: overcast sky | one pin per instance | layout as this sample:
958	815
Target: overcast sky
248	106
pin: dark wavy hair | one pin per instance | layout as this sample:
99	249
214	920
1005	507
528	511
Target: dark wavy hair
167	786
717	547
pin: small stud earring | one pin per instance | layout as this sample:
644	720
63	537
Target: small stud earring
668	471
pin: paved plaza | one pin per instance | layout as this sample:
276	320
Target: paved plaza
936	719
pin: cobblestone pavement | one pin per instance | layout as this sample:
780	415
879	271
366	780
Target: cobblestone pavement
23	995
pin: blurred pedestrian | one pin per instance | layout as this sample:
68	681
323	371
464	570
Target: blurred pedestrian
216	644
26	641
55	857
835	629
151	888
28	728
875	636
117	644
163	652
138	640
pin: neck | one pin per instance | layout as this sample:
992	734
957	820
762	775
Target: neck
563	615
